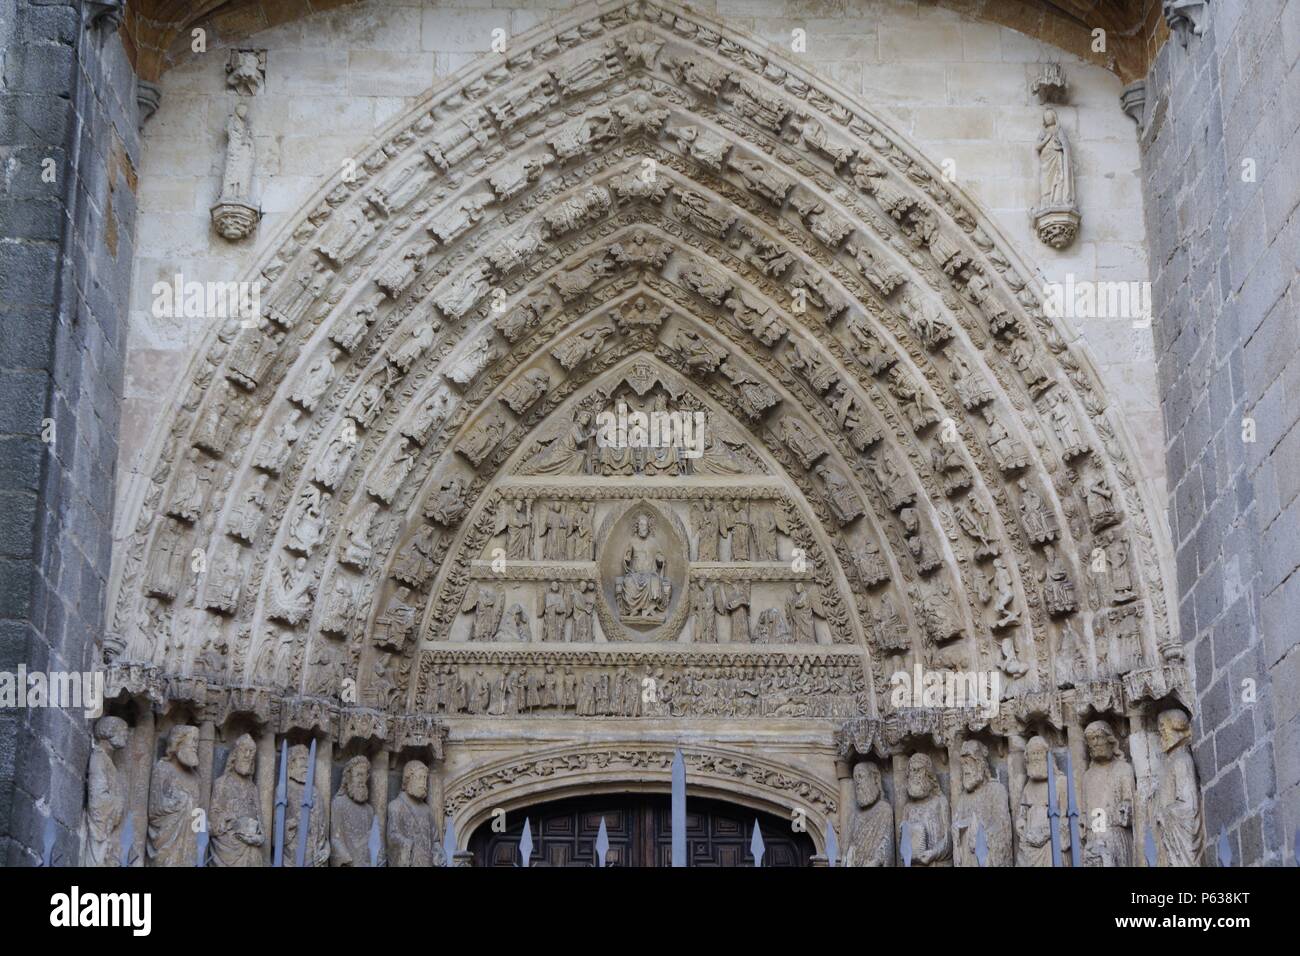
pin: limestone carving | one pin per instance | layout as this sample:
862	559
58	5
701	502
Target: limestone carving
871	837
982	806
1106	829
316	380
290	593
106	795
412	837
1033	824
925	815
351	816
1056	217
1176	809
234	215
173	798
274	451
318	833
643	588
236	818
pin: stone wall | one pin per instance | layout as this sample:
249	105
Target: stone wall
1221	169
65	257
959	88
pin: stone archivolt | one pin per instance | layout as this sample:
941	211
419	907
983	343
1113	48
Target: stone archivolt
642	202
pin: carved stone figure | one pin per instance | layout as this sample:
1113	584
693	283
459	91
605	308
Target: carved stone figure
520	394
870	563
310	387
1106	826
173	798
388	481
1038	519
982	804
803	444
274	451
1100	500
481	439
1033	825
871	835
553	530
768	524
352	816
556	610
193	487
582	542
733	600
306	520
515	625
643	588
1007	451
318	837
334	463
429	418
1176	807
803	609
515	521
106	795
236	818
448	506
487	606
290	592
1056	218
840	498
582	599
234	214
356	548
926	815
1058	588
704	608
412	833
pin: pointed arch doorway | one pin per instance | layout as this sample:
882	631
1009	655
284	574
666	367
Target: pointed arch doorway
638	825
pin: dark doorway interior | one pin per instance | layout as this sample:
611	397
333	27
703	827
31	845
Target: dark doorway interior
640	834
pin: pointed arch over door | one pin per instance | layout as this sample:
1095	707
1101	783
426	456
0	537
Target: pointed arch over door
643	186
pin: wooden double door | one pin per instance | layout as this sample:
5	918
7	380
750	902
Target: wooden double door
639	827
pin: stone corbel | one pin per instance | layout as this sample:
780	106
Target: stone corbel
1133	101
1186	18
147	97
106	14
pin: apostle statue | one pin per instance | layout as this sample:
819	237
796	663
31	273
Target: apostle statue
871	836
352	816
1177	809
317	833
105	795
236	820
1107	830
412	838
1033	822
925	815
982	805
173	798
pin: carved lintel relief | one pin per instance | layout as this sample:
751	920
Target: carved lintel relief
575	386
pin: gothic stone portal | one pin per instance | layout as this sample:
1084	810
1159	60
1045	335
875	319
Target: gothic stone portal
411	527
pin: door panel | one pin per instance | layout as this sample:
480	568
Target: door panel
640	834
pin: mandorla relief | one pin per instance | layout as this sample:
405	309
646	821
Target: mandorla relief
528	435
